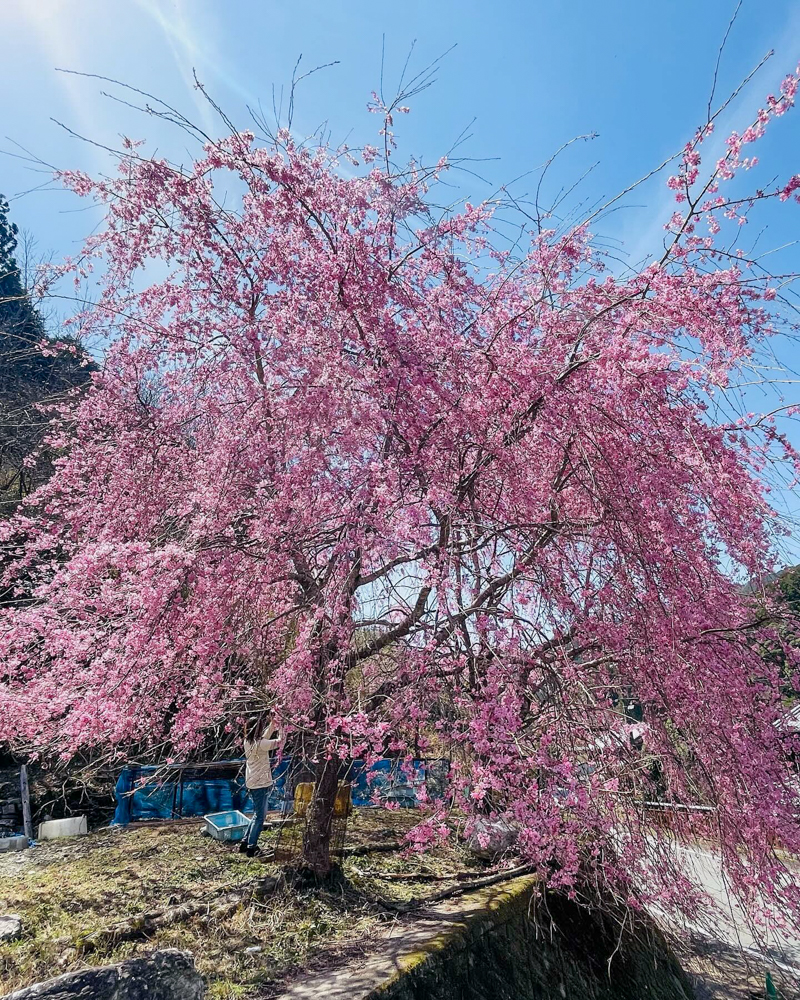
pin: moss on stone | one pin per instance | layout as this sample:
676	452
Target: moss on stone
495	951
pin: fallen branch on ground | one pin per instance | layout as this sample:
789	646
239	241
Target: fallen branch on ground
426	876
357	852
458	890
405	876
146	924
480	883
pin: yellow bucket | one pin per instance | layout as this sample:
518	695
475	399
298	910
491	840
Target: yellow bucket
304	792
343	805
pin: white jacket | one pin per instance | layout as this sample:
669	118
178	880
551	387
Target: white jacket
258	772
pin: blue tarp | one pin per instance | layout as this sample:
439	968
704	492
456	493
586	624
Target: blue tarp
179	791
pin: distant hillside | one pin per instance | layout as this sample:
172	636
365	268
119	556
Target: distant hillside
784	585
754	587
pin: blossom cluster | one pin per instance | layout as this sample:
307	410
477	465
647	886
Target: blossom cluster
421	495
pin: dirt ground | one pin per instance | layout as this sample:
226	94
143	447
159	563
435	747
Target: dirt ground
65	890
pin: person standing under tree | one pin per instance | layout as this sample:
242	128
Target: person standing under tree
258	742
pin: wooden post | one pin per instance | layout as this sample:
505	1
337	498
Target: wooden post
25	795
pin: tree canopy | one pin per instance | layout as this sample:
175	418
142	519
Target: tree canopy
352	457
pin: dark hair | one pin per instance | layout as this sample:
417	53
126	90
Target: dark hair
254	725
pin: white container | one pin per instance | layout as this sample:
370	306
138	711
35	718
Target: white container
229	825
73	827
18	843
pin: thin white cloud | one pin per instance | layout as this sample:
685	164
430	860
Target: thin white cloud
191	41
193	45
649	237
54	29
191	50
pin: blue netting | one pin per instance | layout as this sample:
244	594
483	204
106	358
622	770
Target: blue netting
180	791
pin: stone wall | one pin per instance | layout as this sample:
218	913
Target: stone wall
501	943
511	948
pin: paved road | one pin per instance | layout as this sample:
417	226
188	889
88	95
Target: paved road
732	926
726	933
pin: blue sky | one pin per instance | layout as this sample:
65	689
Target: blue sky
531	74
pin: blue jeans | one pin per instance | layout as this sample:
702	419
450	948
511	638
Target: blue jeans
259	797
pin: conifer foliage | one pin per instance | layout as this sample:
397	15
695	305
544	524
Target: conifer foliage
34	373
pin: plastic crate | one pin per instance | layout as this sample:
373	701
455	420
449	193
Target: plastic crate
229	825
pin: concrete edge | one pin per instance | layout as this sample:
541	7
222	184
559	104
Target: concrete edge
486	909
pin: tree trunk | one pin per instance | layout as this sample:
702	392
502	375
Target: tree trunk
25	795
317	838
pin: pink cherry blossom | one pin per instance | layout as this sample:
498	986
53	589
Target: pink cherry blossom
347	455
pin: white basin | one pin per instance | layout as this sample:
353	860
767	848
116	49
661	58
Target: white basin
73	827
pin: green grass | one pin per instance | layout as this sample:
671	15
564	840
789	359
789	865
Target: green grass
65	889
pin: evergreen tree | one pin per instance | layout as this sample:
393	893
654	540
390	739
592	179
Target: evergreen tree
21	326
785	595
29	378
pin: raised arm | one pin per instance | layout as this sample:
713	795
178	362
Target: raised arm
269	742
